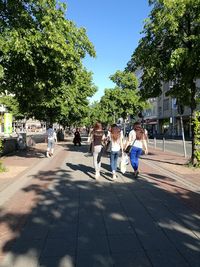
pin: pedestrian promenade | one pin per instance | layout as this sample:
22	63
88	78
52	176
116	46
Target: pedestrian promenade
62	217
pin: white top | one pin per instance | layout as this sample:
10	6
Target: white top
132	138
51	134
115	145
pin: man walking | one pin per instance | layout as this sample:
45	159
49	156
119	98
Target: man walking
51	140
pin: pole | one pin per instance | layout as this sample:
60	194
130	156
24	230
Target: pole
163	144
183	136
154	142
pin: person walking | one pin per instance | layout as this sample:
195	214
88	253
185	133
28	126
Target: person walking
77	137
116	139
138	140
51	140
97	137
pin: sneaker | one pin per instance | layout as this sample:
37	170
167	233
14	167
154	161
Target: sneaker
114	177
97	175
136	174
47	154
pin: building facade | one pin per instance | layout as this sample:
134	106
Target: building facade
163	117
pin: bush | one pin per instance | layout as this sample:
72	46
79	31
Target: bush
197	139
2	167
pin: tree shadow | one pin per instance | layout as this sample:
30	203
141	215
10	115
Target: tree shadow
78	222
164	161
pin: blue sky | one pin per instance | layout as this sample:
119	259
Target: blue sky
113	26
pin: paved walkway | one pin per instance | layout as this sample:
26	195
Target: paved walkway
62	217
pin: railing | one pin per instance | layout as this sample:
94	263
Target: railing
177	146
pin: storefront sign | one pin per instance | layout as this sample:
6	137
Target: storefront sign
7	123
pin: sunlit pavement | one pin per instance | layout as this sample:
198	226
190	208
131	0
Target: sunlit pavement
62	217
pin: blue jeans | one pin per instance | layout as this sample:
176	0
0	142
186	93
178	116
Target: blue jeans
114	155
134	157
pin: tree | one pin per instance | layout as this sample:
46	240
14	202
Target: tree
12	106
170	50
95	113
41	54
78	105
124	99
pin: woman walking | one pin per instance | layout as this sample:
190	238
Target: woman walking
137	139
97	139
116	140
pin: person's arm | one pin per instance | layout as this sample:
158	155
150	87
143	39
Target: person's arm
146	135
131	138
55	137
46	137
144	143
121	143
90	137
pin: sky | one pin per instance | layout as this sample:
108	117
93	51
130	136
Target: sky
114	27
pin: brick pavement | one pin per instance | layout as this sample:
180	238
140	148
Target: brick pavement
176	164
64	218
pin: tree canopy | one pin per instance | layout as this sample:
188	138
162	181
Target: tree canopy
120	101
41	56
170	50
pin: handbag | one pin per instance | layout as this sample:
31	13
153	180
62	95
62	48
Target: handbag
124	162
108	146
129	147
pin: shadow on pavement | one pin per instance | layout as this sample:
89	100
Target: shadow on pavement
164	161
88	223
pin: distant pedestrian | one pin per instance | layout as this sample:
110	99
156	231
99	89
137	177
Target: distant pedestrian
116	144
51	140
97	137
77	137
138	140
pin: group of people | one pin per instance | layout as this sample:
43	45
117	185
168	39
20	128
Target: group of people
137	139
113	138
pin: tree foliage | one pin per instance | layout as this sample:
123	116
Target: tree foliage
123	99
41	56
12	106
170	50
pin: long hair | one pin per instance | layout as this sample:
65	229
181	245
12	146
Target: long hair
115	132
97	126
139	131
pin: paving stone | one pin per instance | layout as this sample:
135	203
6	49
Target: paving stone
81	222
94	259
67	260
59	247
29	259
133	259
157	240
35	231
94	243
124	243
166	258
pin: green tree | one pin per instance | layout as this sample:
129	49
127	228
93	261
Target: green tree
12	106
95	113
170	50
41	55
124	99
82	88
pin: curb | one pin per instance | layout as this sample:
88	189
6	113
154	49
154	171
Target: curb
22	178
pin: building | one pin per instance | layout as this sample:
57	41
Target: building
167	120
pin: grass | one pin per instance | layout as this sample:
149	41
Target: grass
2	167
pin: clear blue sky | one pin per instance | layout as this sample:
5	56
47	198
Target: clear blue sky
113	26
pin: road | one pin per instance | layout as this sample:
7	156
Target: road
172	145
